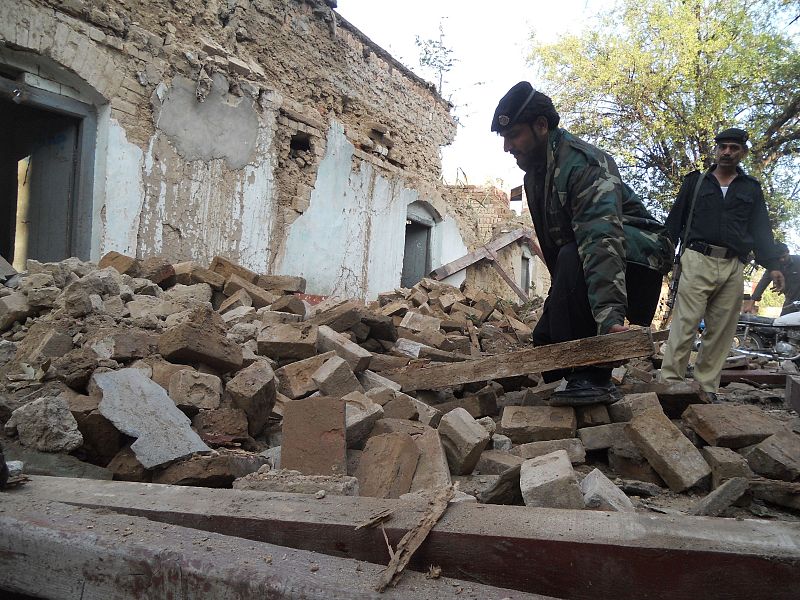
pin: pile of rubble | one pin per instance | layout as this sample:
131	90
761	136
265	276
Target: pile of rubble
143	370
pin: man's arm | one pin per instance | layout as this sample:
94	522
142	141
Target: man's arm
595	196
750	305
765	249
676	219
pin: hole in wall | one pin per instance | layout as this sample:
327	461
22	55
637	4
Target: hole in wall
300	142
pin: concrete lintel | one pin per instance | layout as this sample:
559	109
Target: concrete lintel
562	553
53	550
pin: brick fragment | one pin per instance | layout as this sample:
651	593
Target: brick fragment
591	416
314	436
253	390
289	304
201	339
718	501
432	469
288	342
334	378
295	378
573	447
730	426
632	404
192	391
361	414
463	439
549	481
260	297
329	340
777	457
725	464
288	284
495	462
13	308
599	493
538	423
602	436
387	465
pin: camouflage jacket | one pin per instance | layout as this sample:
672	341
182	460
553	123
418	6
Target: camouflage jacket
579	196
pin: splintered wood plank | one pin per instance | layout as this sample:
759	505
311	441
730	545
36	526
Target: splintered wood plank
755	376
663	557
577	353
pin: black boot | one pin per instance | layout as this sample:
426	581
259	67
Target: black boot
584	389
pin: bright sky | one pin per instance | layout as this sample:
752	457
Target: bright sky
490	43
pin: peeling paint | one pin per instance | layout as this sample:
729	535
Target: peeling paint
124	192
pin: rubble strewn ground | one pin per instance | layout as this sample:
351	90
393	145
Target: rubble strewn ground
142	370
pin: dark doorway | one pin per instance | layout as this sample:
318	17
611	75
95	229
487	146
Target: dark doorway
416	259
526	274
45	175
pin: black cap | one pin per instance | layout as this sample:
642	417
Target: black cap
781	248
522	104
732	134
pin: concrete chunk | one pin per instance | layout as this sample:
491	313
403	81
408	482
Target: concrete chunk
141	408
549	481
725	464
668	451
463	439
418	322
314	441
599	493
592	416
387	465
730	426
259	296
361	414
330	340
201	339
13	308
631	405
45	424
217	470
335	378
495	462
538	423
294	379
288	341
626	461
294	482
432	469
573	447
253	390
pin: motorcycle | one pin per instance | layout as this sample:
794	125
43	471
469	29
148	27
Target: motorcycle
777	339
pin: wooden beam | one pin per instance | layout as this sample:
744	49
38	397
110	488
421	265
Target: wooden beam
576	554
577	353
757	376
506	277
52	550
481	253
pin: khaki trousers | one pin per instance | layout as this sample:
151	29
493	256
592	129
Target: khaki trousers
710	289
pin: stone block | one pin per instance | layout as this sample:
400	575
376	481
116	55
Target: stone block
495	462
549	481
290	304
222	426
492	489
626	461
190	272
329	340
725	464
253	390
192	391
140	408
503	443
668	451
294	379
158	270
203	340
45	424
632	404
730	426
335	378
599	493
463	439
127	265
426	413
238	299
49	345
592	416
13	308
259	296
294	482
777	457
418	322
162	370
432	469
217	470
573	447
50	463
361	414
288	284
272	317
381	395
525	424
481	404
387	465
488	424
602	436
718	501
188	295
242	314
291	341
412	428
226	268
402	407
314	436
126	467
339	318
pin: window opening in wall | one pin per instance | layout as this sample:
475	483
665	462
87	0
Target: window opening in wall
526	274
300	142
45	175
417	254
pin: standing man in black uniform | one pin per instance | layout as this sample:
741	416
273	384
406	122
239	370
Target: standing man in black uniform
729	220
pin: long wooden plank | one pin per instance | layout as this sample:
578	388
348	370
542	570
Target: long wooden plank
758	376
52	550
485	251
577	353
576	554
507	278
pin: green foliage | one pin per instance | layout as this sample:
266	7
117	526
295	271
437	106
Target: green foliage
652	83
435	56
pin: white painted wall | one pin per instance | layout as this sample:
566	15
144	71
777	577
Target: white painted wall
124	192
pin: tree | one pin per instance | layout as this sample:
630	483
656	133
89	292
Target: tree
434	55
653	82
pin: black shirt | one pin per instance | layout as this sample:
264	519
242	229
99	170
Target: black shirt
738	221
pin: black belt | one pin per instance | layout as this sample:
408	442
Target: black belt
711	250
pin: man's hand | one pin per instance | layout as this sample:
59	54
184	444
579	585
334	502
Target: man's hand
749	307
777	280
618	328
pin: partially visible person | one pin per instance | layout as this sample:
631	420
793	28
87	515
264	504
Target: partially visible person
790	267
606	254
729	221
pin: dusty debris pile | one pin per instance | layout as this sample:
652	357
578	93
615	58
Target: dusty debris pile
144	370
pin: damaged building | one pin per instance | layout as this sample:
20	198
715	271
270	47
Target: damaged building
271	132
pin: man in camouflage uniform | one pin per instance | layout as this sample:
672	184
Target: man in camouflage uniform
606	254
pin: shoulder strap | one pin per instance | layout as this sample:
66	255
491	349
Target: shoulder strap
685	233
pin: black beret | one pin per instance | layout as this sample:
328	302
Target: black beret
733	134
522	104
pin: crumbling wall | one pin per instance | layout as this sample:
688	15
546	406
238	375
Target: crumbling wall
216	121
